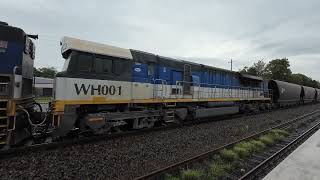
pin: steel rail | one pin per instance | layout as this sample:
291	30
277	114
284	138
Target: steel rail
268	164
158	172
11	152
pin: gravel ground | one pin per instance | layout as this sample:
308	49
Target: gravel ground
129	157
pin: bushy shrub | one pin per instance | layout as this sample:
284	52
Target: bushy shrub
171	177
247	146
242	152
267	139
228	155
192	174
280	132
258	144
217	169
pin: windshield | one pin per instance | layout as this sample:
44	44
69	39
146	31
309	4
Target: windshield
66	64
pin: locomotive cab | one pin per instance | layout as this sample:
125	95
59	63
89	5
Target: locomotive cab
93	73
17	59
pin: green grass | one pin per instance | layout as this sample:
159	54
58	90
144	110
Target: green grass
192	174
217	169
229	155
216	158
267	139
242	152
278	137
280	132
258	144
171	177
227	158
248	146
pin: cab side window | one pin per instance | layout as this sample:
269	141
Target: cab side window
84	63
103	65
118	66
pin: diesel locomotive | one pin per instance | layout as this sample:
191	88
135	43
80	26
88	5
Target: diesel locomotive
17	53
103	88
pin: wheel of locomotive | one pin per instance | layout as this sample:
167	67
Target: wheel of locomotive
86	133
145	122
242	109
262	107
83	130
150	123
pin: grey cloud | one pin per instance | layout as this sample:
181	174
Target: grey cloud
208	32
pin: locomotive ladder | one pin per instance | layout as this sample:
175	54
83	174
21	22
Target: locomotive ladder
170	116
187	78
3	121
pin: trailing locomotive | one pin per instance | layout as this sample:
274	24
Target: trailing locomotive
103	88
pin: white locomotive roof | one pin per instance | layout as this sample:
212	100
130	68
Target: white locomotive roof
69	43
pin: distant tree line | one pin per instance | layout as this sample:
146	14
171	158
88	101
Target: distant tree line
279	69
46	72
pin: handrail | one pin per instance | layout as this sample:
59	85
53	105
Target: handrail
205	90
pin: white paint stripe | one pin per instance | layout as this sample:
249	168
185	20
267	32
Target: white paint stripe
91	89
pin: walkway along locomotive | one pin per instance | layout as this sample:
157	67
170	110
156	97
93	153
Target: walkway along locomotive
103	88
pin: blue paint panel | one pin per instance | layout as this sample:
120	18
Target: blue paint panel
218	77
140	73
171	76
213	78
195	80
223	78
196	74
176	76
205	79
236	81
228	79
164	73
11	57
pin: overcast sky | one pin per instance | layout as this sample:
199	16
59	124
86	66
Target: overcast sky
208	31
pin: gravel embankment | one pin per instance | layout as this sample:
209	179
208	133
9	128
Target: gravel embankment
129	157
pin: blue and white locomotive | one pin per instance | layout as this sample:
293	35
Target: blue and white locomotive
17	53
103	87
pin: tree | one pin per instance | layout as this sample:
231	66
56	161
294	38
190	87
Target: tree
36	72
46	72
303	80
297	78
279	69
258	69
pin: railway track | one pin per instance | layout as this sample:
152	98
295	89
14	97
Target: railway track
267	165
257	165
16	151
